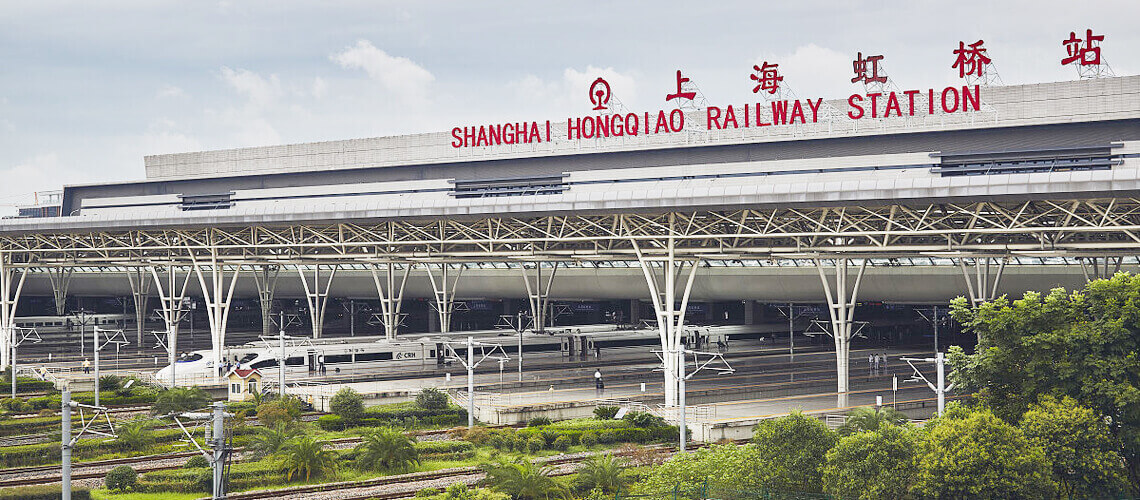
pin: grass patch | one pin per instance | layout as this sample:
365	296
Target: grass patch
103	494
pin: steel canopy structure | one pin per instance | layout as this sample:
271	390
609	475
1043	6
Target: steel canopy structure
980	209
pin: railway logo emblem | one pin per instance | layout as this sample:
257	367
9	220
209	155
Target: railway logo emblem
600	93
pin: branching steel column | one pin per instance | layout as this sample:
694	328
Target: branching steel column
217	307
316	296
841	300
11	284
391	292
538	294
140	291
170	299
60	281
266	279
1099	268
663	294
444	293
982	283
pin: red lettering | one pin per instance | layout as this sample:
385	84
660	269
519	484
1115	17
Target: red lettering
874	104
911	94
779	112
508	133
969	99
457	141
930	101
632	129
760	119
730	117
482	141
547	131
495	135
746	114
815	109
589	120
851	102
616	126
946	108
603	127
892	103
646	123
677	120
797	110
468	138
534	136
573	125
662	123
713	119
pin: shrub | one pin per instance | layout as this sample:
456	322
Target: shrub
176	400
279	411
535	444
518	443
477	435
792	451
122	478
605	412
607	437
561	443
348	404
499	442
643	419
386	449
538	421
43	492
196	462
588	439
432	399
110	383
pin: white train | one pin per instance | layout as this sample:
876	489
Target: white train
50	324
339	355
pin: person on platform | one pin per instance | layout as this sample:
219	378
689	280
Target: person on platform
86	366
599	386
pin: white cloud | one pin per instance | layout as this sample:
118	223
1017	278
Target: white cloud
814	71
260	91
396	74
170	91
570	94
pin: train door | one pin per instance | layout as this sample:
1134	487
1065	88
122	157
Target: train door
312	360
566	345
439	356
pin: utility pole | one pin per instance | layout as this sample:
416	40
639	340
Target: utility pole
520	331
941	388
486	350
65	444
684	427
681	377
934	320
219	444
15	341
470	382
281	359
97	344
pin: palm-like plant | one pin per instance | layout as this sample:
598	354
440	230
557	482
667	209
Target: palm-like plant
271	440
386	449
179	399
523	480
869	419
134	434
605	472
307	457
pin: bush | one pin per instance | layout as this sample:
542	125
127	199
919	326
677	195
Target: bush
643	419
538	421
607	437
561	443
431	399
176	400
110	383
445	449
43	492
279	411
122	478
535	444
196	462
398	415
348	404
588	439
605	412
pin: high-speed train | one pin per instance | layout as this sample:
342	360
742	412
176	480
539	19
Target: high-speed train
305	356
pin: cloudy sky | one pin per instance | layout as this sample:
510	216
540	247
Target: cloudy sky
88	88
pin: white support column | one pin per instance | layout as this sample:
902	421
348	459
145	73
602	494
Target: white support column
140	283
266	279
170	297
391	292
317	296
60	278
983	279
217	296
663	294
841	300
1100	268
11	285
538	294
444	289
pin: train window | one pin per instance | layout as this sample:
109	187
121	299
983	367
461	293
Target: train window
338	358
298	361
191	357
433	355
374	356
265	363
247	358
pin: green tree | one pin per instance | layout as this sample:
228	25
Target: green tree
307	457
135	434
279	411
180	399
523	480
1078	443
974	454
386	449
869	419
348	404
720	466
121	478
792	450
871	465
461	491
604	472
431	398
1083	345
271	440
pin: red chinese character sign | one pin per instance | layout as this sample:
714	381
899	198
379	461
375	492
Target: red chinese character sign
974	64
860	65
681	93
767	78
1085	55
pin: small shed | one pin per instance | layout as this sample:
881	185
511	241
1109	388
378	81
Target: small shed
243	384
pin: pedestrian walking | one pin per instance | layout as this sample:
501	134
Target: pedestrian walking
599	386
